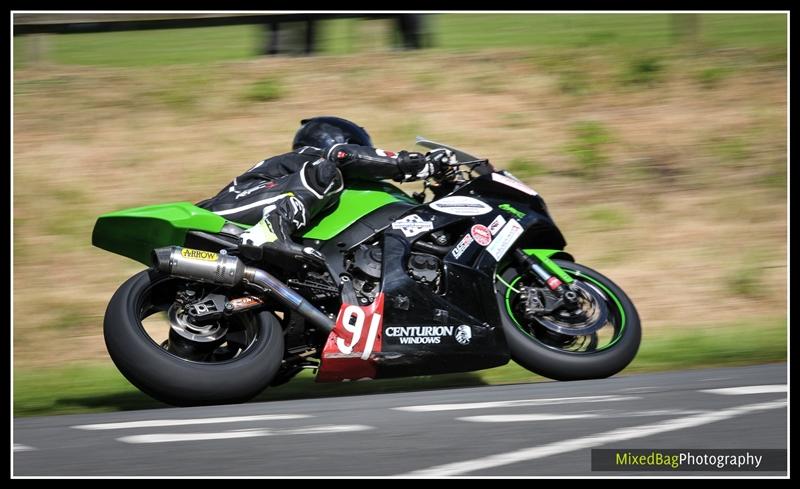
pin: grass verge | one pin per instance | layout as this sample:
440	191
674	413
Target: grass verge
95	387
629	32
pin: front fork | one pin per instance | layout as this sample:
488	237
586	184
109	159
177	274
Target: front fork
548	272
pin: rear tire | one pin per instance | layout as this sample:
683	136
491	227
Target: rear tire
173	380
557	364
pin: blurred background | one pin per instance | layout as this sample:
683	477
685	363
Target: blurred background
659	142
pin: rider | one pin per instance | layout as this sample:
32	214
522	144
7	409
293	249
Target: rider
280	195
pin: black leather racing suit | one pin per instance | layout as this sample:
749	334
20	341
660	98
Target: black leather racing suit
303	182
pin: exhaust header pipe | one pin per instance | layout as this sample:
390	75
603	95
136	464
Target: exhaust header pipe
223	269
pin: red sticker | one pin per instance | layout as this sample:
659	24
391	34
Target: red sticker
381	152
553	283
481	234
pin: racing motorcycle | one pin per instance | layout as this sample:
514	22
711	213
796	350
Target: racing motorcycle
467	274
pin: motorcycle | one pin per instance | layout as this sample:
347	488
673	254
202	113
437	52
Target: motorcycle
388	285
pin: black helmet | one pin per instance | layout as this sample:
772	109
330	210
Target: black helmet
322	132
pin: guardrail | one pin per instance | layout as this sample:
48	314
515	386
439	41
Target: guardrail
410	25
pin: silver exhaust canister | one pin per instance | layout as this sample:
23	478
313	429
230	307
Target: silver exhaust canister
199	265
227	270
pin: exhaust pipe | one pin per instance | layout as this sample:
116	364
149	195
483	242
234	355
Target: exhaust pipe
223	269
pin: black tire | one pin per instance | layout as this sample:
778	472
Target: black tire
176	381
562	365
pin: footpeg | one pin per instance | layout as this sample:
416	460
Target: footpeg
311	252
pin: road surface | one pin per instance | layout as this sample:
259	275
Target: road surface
515	430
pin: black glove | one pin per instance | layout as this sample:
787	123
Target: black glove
435	162
410	164
439	159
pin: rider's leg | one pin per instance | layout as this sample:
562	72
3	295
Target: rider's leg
292	203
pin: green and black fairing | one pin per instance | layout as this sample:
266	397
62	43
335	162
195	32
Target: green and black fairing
530	210
135	232
357	201
465	296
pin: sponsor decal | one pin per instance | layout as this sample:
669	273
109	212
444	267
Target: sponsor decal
390	154
511	210
481	234
419	335
513	182
504	239
462	246
461	206
298	212
498	223
347	354
412	225
198	254
463	334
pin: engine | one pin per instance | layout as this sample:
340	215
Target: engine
364	266
425	269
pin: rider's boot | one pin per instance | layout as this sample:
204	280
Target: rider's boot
272	234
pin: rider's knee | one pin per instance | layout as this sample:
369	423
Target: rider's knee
322	175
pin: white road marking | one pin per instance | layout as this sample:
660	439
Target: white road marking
249	433
640	389
654	412
18	447
183	422
517	418
748	389
621	434
519	402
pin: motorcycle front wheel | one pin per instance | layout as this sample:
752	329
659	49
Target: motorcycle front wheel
236	359
596	340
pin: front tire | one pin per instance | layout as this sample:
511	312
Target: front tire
541	351
169	378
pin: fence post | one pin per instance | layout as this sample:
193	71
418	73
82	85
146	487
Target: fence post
685	27
37	48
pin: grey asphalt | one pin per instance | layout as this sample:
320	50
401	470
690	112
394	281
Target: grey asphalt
368	436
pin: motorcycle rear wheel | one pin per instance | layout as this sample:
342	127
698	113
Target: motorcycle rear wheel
163	374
